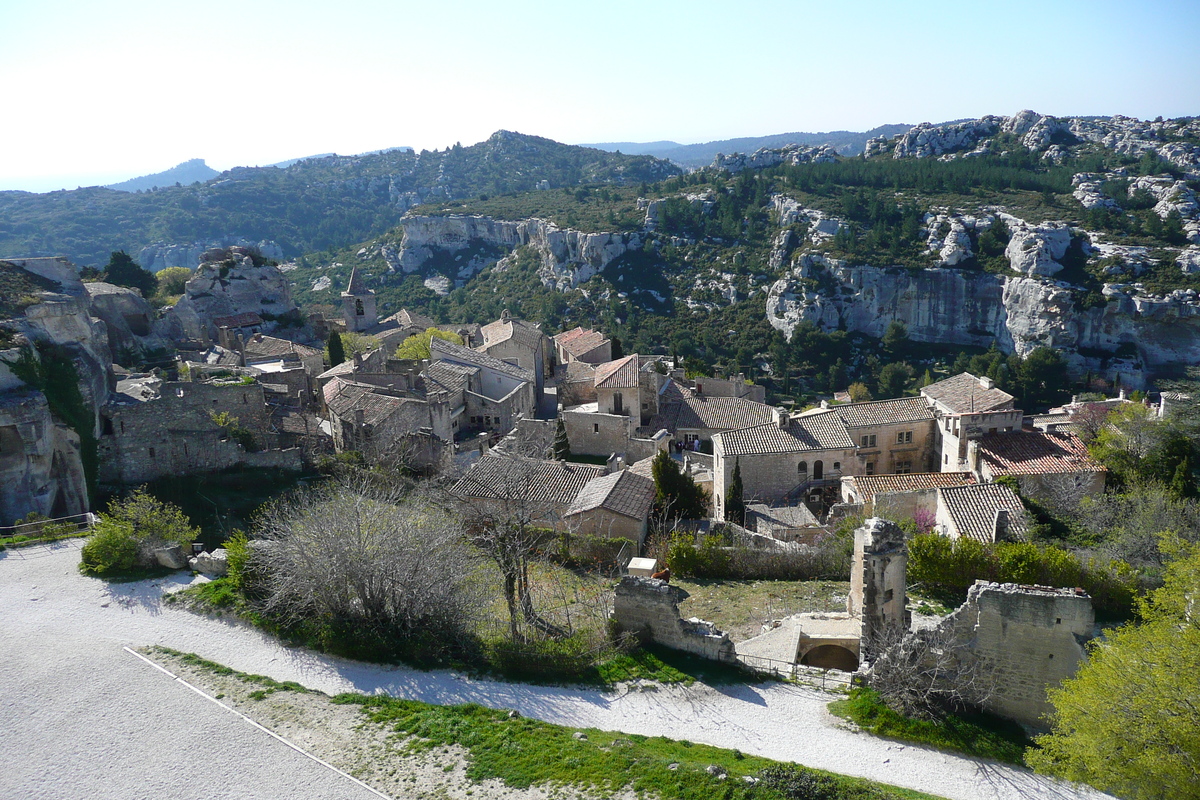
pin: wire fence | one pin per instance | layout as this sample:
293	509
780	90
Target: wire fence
60	526
824	679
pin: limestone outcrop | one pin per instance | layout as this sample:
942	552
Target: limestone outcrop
160	255
1036	249
132	324
770	156
234	285
1134	330
464	245
40	465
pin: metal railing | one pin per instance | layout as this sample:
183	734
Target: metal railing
816	677
77	523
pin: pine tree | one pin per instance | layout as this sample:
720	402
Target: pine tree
562	445
735	503
122	270
337	353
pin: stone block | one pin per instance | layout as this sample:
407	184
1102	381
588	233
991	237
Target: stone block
215	563
171	557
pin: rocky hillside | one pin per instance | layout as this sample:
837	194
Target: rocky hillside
313	204
1078	234
184	174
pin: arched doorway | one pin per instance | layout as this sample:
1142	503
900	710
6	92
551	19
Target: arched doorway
831	656
818	470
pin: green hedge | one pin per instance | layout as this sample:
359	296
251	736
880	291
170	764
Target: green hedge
946	568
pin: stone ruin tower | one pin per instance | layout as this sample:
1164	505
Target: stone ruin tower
877	583
358	304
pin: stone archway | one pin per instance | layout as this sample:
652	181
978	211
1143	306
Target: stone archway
831	656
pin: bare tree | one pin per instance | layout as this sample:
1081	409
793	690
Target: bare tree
360	559
925	673
510	515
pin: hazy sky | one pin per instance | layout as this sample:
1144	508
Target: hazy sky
102	90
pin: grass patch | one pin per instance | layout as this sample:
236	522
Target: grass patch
219	594
524	752
739	607
982	735
269	685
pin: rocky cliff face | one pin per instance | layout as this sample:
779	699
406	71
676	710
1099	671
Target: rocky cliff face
1131	333
464	245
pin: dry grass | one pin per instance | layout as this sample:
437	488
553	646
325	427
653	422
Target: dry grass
741	607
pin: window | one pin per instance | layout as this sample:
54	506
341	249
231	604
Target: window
359	311
903	467
870	467
802	469
595	427
151	449
837	466
904	437
868	440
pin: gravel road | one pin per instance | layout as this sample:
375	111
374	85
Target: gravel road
79	716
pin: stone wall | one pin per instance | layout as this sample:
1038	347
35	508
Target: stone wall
1029	638
649	608
594	434
175	434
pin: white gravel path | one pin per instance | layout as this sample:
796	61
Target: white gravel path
81	717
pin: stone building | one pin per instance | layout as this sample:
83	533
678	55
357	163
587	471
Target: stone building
387	424
521	343
967	408
495	393
693	418
502	489
583	345
782	458
1047	465
899	496
893	436
985	512
618	388
358	304
153	429
735	386
616	505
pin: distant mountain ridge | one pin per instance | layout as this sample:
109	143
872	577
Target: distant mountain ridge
185	174
847	143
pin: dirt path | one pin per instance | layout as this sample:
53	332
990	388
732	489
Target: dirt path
62	636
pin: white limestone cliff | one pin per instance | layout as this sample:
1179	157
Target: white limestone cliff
225	288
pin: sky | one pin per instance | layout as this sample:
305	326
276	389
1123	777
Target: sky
97	91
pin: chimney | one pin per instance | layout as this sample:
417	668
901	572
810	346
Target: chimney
360	418
781	417
824	404
357	361
987	383
974	460
1121	394
1001	525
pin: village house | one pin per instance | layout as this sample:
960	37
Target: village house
532	491
581	344
893	436
985	512
616	505
358	304
899	496
966	408
781	459
495	393
693	419
1047	465
521	343
388	424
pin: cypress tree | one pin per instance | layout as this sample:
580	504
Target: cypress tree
337	353
562	446
735	503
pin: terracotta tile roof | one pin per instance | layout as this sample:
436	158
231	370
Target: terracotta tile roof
816	432
885	412
972	510
243	320
625	493
465	355
343	398
963	394
619	374
1036	453
526	480
262	345
580	341
680	407
868	486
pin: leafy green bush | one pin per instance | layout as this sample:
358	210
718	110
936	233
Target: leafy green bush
112	547
709	560
947	568
132	529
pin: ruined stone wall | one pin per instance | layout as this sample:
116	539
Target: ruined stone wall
650	608
175	433
877	581
1030	638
